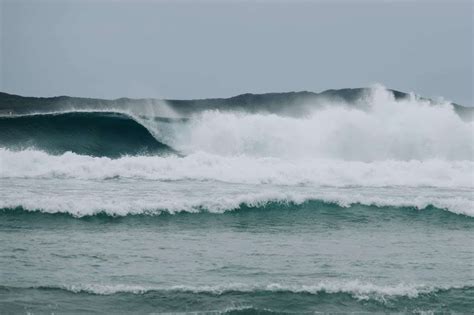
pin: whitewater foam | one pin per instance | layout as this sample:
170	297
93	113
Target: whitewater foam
375	128
322	198
378	142
155	199
358	289
240	169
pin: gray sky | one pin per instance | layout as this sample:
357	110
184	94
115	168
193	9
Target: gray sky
200	49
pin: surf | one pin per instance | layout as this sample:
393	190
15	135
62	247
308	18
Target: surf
322	129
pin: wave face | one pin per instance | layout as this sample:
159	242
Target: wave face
87	133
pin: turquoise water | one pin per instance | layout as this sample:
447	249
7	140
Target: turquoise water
276	259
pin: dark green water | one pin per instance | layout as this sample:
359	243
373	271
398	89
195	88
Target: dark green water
94	134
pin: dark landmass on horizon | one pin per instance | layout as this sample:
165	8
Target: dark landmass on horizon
11	104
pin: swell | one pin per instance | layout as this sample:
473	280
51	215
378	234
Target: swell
358	289
327	297
87	133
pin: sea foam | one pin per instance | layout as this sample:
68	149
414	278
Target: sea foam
152	199
240	169
375	128
361	290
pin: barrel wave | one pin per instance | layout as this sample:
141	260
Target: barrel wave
86	133
406	128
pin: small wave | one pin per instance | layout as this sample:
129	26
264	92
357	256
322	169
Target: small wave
234	298
357	289
223	204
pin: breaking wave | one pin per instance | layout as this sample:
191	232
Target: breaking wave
374	128
377	141
358	289
227	203
382	128
235	298
88	133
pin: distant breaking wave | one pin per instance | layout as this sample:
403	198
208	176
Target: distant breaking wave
266	298
358	289
382	128
377	127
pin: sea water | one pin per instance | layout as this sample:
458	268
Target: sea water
342	209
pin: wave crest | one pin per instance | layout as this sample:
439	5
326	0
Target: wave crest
358	289
221	204
90	133
377	126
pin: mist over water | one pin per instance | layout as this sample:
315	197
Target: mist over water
378	128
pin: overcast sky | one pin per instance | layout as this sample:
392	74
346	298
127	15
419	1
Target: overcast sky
200	49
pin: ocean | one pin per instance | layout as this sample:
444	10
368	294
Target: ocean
331	206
